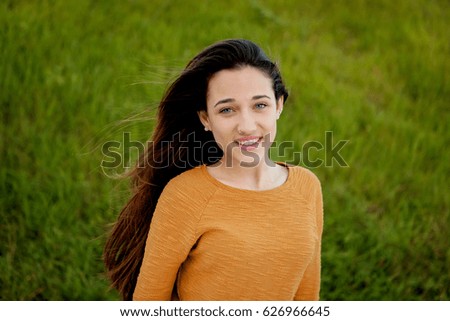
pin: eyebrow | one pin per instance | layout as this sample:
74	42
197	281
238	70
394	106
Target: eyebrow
230	100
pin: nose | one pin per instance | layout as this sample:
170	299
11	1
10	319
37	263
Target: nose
246	124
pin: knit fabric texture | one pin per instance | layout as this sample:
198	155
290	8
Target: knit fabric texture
211	241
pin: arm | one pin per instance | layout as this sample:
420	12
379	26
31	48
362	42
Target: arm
309	287
171	237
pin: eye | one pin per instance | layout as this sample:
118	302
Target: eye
225	110
260	105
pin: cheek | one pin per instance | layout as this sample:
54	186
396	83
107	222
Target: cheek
271	128
220	124
221	130
270	122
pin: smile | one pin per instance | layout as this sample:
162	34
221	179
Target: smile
248	143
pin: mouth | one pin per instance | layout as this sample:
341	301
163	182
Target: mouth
248	143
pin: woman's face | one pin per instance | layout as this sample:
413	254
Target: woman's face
242	112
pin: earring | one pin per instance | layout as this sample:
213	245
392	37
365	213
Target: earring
206	129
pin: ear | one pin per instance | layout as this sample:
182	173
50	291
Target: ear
280	104
204	119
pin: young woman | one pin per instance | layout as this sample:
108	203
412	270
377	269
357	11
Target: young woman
212	217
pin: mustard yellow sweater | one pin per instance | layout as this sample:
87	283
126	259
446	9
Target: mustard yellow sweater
216	242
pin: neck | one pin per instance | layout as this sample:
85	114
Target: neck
249	175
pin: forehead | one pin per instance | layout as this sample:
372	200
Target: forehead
241	82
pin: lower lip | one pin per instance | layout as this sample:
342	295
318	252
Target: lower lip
249	147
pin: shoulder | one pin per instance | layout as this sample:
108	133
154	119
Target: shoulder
191	179
189	186
303	176
304	183
308	187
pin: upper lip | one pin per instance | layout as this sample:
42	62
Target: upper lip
246	139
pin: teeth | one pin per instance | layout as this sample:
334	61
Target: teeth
248	142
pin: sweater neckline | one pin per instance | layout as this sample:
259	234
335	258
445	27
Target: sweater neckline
224	186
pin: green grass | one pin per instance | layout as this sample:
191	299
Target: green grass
75	74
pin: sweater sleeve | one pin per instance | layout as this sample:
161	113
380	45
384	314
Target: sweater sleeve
171	237
309	287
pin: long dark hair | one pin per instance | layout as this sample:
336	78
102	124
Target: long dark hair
179	143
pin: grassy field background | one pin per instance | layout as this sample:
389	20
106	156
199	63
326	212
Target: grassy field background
76	74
